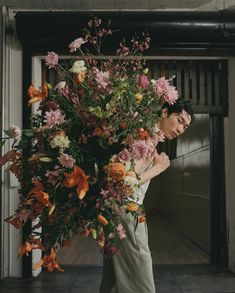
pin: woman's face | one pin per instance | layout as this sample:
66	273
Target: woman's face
174	124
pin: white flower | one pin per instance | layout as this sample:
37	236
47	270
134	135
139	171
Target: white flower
132	181
15	132
59	141
78	66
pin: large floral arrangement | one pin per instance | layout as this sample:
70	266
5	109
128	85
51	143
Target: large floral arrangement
76	163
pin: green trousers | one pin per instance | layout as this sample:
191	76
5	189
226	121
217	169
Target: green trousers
131	270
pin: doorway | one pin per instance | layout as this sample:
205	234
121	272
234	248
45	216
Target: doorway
185	203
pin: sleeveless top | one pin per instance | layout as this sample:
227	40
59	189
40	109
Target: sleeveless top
143	187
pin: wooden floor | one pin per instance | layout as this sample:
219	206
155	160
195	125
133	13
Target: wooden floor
166	244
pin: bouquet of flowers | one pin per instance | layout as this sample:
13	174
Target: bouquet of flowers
76	163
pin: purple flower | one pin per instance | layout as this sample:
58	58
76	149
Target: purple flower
76	44
66	160
51	59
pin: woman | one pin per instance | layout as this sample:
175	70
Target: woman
130	271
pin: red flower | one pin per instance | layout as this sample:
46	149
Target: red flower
143	134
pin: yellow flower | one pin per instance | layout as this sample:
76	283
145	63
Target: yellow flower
78	66
131	206
49	86
138	97
145	71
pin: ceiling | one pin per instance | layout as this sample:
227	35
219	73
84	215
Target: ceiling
208	5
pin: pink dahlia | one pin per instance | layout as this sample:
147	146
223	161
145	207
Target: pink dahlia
142	149
124	156
53	117
162	88
102	78
51	59
66	160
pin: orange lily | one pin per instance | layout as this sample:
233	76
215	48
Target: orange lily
39	194
25	248
36	95
77	179
38	187
102	219
49	262
79	78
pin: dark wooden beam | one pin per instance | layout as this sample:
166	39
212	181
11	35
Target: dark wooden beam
201	33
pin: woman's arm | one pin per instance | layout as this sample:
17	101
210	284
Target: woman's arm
160	163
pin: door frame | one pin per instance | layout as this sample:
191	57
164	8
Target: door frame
219	248
219	239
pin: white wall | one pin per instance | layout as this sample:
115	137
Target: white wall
11	265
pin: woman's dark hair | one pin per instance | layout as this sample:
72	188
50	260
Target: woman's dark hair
178	107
